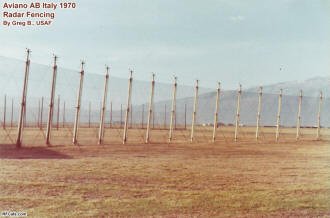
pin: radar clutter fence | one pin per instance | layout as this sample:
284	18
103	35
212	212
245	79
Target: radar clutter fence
156	120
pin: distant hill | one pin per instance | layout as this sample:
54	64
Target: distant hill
310	87
249	102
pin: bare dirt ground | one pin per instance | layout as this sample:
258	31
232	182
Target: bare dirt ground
182	179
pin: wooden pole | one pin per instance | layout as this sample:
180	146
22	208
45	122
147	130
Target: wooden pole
41	112
76	121
51	104
170	136
299	115
237	123
12	113
23	104
216	113
100	106
194	113
259	112
38	119
165	116
89	114
151	105
63	118
4	112
185	116
58	112
142	116
121	115
279	115
24	114
153	119
175	121
318	132
128	106
104	103
110	114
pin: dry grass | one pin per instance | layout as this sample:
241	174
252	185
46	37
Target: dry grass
226	179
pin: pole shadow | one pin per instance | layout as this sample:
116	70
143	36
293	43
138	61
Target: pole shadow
8	151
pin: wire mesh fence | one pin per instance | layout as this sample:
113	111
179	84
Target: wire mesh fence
177	113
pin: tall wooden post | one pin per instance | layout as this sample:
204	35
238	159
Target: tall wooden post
38	119
63	117
173	113
237	123
121	115
259	112
41	112
153	119
104	103
279	115
128	106
185	116
89	114
194	113
142	116
100	107
76	121
24	113
175	121
12	113
58	112
151	105
165	116
51	103
4	112
23	104
216	113
299	115
318	131
110	114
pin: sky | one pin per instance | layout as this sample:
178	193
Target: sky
252	42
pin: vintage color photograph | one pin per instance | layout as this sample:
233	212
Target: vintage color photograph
163	108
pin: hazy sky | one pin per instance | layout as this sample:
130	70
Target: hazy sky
249	41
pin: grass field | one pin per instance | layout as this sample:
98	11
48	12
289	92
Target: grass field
203	179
